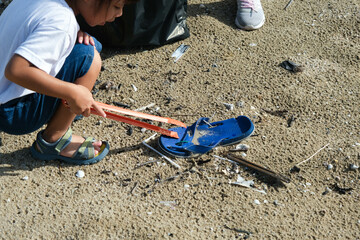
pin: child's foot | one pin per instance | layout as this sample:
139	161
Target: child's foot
76	142
70	148
250	15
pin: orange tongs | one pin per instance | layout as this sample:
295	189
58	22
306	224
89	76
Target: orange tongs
140	115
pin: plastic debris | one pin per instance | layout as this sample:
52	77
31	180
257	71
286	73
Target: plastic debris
179	52
291	66
241	147
354	167
248	184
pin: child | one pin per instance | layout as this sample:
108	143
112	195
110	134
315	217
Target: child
40	65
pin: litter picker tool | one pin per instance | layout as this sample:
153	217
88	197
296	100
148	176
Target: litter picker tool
137	123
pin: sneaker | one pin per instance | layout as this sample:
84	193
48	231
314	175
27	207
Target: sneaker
250	15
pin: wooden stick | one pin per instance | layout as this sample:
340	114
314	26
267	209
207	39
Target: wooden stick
259	168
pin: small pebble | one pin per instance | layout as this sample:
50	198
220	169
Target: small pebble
243	154
276	203
80	174
201	6
257	202
240	104
329	167
25	178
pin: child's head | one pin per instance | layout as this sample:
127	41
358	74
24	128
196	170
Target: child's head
98	12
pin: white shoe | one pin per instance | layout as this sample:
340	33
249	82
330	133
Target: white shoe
250	15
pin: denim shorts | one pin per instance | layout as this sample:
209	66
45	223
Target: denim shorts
29	113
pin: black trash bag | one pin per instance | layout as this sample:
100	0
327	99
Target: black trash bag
146	23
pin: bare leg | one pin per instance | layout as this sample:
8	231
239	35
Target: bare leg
63	117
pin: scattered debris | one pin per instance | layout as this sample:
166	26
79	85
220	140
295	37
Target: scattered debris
340	190
129	132
257	202
353	167
327	190
291	66
248	184
179	52
241	147
312	155
239	231
229	106
106	85
144	107
134	87
278	113
291	120
80	174
329	166
134	188
119	104
162	155
288	5
295	169
259	168
146	163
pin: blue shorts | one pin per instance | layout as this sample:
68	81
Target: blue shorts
29	113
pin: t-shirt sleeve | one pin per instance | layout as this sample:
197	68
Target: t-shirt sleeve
45	47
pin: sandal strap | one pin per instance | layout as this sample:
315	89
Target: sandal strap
86	150
56	147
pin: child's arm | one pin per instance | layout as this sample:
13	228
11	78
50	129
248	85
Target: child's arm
23	73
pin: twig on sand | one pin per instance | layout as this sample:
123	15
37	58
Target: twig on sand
288	5
162	155
312	155
145	107
257	167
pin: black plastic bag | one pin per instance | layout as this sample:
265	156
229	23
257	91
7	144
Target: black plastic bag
146	23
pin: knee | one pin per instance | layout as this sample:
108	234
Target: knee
96	64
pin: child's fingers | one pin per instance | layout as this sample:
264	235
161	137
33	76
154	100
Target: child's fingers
99	110
92	42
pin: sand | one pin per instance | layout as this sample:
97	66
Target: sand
310	116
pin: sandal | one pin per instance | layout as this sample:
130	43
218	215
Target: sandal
85	155
203	136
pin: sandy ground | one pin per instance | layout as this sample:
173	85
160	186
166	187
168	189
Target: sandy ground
118	199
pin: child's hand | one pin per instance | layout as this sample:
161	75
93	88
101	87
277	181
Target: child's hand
85	38
82	101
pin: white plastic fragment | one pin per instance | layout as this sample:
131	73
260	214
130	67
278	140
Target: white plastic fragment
242	147
229	106
248	184
179	52
134	87
353	166
257	202
80	174
25	178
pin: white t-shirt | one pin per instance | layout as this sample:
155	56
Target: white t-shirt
42	31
